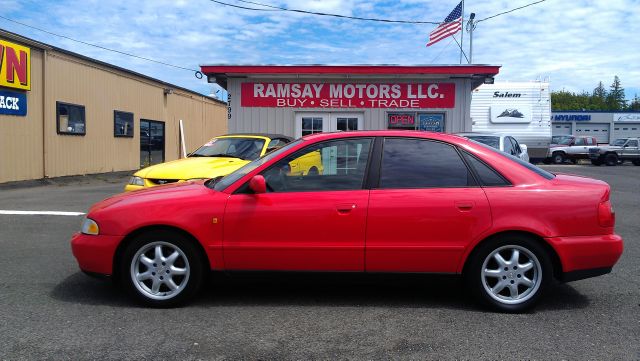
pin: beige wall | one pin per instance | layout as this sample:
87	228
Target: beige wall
30	147
21	137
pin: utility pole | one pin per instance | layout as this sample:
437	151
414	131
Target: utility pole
471	25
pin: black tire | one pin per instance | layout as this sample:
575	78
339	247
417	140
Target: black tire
502	299
313	171
596	162
189	258
636	162
558	158
611	159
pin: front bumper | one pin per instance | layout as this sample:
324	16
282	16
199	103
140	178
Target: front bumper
587	256
95	253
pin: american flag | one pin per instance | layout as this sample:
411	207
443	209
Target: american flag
451	25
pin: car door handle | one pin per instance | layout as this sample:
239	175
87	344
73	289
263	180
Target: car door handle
464	206
345	208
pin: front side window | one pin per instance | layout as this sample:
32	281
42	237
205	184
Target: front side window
327	166
242	148
417	163
581	141
122	124
632	143
70	119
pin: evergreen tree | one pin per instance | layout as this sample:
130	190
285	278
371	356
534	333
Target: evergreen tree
616	99
635	104
599	98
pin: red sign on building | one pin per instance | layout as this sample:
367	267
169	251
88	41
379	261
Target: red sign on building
348	95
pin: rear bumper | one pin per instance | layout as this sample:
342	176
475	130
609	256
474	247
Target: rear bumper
95	253
587	256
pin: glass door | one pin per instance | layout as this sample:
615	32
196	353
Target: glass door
151	142
346	121
311	123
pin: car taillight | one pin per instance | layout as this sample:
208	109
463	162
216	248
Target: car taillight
606	215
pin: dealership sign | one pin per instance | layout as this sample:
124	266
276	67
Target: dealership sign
13	103
348	95
15	66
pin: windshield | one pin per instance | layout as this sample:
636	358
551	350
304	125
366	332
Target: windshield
486	139
231	178
566	141
556	139
619	142
527	165
243	148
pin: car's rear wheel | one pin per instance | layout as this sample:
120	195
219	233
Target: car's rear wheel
509	273
161	269
558	158
611	159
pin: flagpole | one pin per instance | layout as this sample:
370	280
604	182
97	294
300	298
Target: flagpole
462	32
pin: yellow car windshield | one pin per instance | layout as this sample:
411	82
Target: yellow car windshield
243	148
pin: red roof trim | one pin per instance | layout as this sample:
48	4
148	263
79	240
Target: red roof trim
350	69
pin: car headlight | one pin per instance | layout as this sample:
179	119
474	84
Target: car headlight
89	226
136	181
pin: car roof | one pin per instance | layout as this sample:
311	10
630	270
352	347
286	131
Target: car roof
263	135
386	133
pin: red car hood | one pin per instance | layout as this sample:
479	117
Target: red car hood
154	194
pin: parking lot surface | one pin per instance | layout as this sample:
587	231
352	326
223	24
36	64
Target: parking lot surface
50	310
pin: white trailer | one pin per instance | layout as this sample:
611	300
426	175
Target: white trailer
519	109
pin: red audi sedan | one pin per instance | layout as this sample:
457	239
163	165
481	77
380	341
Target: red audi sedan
385	201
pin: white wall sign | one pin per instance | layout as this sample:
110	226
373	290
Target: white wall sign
511	113
626	117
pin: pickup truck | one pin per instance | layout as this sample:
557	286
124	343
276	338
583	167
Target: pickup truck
570	148
617	152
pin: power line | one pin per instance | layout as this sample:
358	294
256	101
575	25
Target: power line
279	8
512	10
197	72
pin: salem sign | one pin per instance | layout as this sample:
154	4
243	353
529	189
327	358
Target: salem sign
15	66
348	95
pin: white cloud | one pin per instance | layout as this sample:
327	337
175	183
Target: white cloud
575	43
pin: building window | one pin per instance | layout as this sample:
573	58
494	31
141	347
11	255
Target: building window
122	124
311	125
70	119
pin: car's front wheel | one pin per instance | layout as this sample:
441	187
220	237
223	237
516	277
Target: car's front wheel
558	158
509	273
161	269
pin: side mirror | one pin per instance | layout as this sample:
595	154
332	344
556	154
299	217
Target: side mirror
523	147
258	185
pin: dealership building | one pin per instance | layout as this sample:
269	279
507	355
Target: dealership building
604	126
297	100
62	114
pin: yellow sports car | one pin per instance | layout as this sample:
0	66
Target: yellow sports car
218	157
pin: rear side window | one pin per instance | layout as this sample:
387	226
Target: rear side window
487	176
417	163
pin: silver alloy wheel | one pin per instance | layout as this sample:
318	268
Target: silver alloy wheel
157	276
511	274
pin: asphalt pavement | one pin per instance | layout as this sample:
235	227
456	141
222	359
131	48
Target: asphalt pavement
50	310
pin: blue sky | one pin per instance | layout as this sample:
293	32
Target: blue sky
574	43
